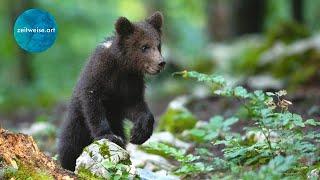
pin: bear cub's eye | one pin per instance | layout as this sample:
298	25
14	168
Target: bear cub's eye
144	48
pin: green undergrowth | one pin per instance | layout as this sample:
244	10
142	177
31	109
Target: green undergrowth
24	172
278	144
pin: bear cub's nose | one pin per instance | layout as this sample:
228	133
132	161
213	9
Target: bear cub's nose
162	63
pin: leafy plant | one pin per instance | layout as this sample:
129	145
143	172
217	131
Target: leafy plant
175	120
278	144
188	163
217	127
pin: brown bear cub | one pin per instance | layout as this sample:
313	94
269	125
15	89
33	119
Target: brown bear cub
111	88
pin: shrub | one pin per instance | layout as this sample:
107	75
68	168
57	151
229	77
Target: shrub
279	144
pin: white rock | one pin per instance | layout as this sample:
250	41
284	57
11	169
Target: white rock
179	102
140	158
259	136
280	50
168	138
145	174
99	152
201	124
264	82
39	128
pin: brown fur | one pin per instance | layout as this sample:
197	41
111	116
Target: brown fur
111	88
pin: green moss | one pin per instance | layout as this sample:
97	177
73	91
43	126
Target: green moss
104	150
85	174
176	121
249	57
96	142
250	54
125	162
287	32
25	172
203	64
296	69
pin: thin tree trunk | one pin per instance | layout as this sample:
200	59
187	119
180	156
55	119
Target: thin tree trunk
297	10
248	16
16	7
219	20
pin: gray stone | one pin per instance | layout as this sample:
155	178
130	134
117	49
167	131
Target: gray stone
145	174
95	157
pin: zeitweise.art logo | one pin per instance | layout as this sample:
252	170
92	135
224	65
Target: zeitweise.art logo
35	30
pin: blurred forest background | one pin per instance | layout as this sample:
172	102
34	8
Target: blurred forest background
260	44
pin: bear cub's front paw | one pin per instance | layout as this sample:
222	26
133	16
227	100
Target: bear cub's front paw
141	133
113	138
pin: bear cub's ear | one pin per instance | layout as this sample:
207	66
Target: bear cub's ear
156	20
124	26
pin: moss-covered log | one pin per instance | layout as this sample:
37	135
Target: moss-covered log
21	158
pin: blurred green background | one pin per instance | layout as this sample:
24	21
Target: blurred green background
243	40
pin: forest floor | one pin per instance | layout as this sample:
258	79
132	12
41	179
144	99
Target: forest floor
306	101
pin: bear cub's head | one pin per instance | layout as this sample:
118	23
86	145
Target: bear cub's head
140	43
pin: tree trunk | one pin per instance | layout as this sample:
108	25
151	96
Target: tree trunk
297	10
228	19
16	7
219	20
248	16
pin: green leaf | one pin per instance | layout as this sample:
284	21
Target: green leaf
197	132
211	136
281	164
215	123
239	91
312	122
215	79
221	142
259	95
270	93
230	121
297	120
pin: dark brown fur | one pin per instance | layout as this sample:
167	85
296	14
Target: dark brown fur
111	88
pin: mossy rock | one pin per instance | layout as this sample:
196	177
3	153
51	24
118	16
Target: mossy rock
176	120
287	32
104	160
